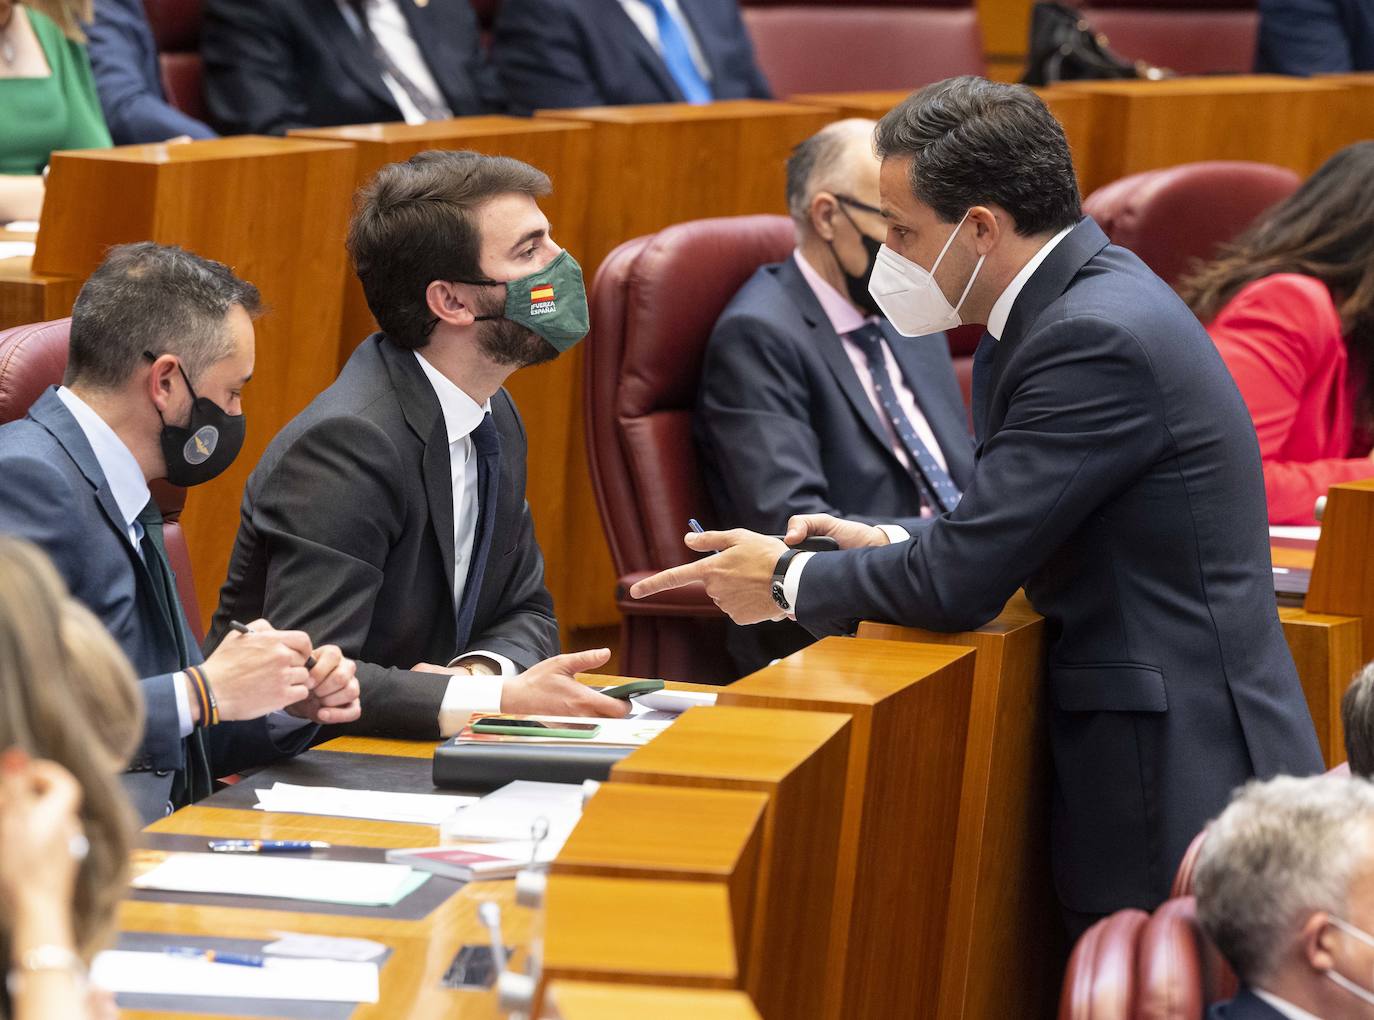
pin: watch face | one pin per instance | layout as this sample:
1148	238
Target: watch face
778	596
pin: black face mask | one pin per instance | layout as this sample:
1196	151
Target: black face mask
858	285
207	444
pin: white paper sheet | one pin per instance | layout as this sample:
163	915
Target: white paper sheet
280	878
508	814
164	974
323	947
22	226
417	808
1307	534
673	702
16	249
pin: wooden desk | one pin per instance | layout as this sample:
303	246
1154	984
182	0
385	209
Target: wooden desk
654	166
580	1000
909	706
271	208
1349	116
799	759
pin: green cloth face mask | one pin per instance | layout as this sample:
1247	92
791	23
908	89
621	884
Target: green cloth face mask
551	302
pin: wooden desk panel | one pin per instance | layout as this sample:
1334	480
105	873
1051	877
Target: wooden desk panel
1144	125
673	834
26	296
273	209
909	706
1347	117
1002	887
1326	650
799	759
1343	572
580	1000
654	166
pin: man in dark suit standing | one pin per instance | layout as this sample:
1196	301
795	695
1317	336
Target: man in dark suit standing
1285	889
1309	37
566	53
160	337
390	513
271	67
128	77
1117	479
810	402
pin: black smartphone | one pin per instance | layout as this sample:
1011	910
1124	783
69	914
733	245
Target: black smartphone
816	543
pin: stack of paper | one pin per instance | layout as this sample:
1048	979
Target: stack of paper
614	732
418	808
668	705
364	885
511	813
477	861
164	974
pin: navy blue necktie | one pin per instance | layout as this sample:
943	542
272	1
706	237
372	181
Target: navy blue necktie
677	55
940	492
486	444
982	366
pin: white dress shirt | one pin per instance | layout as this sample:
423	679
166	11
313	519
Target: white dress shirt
1285	1007
389	25
647	22
996	325
130	491
462	415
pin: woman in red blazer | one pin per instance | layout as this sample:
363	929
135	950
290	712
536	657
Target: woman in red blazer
1290	306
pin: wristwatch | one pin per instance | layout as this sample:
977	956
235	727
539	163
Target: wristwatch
777	589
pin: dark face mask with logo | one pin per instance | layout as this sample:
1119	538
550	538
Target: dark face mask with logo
207	444
551	303
857	286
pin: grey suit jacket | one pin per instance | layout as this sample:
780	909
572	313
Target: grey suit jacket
347	533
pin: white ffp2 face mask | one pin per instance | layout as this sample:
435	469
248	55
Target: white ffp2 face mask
1350	986
909	295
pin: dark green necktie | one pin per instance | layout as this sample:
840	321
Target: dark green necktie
194	781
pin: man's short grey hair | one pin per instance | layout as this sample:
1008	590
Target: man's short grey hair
816	163
156	298
1280	852
1357	719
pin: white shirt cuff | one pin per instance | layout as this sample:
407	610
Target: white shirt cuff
895	533
503	665
792	579
465	695
279	724
184	722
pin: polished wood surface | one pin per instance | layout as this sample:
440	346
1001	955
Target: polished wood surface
1002	886
271	208
909	706
581	1000
654	166
1349	116
673	834
1343	572
27	296
799	759
1326	650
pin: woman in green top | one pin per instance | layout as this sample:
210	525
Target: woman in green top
47	98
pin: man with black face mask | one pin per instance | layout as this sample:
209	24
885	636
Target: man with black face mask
809	400
391	514
161	348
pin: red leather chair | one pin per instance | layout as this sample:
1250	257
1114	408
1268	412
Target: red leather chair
1187	36
1174	216
34	357
176	28
879	44
1135	965
653	304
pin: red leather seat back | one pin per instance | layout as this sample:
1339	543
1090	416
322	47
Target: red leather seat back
1100	981
836	48
1172	217
176	29
653	304
1187	36
34	357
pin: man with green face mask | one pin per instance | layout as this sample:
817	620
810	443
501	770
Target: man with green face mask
391	512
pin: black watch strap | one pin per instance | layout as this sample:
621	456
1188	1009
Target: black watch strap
777	588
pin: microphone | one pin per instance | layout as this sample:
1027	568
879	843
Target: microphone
489	913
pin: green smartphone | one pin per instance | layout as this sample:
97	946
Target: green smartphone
510	727
633	689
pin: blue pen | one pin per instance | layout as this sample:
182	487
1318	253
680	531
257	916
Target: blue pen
214	956
695	525
266	846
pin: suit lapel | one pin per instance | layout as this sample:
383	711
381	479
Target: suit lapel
832	351
445	61
421	409
625	33
692	11
354	55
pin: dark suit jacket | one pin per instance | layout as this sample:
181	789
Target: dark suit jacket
1245	1006
347	534
56	496
1315	36
129	80
270	67
1120	483
565	53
